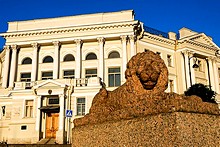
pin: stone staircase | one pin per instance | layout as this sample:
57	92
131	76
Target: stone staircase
47	141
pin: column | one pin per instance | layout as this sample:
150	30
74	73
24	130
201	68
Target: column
61	115
191	60
6	67
187	75
216	76
34	61
60	132
56	60
124	55
133	49
101	41
13	65
78	58
37	127
212	80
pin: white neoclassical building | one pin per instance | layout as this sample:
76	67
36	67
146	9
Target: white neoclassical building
51	66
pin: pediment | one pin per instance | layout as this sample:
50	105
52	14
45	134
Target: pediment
203	39
49	84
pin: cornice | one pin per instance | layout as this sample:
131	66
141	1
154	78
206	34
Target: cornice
159	38
69	29
198	44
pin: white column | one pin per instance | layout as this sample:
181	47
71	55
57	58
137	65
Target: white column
78	58
133	49
13	65
6	67
193	78
34	61
37	127
212	80
186	60
56	60
101	57
215	68
124	55
62	110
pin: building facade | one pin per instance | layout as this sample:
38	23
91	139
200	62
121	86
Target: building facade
51	66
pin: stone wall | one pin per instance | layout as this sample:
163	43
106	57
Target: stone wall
164	129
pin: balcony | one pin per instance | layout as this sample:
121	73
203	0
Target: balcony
23	85
81	82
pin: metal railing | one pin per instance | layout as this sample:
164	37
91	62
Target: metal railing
155	32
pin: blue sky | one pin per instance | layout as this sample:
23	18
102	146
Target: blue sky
164	15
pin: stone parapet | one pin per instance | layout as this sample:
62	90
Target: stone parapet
164	129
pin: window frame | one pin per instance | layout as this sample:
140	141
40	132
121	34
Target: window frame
112	53
47	57
90	75
25	59
64	58
114	77
68	76
81	105
44	78
90	54
27	108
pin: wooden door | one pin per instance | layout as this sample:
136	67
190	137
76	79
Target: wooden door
52	125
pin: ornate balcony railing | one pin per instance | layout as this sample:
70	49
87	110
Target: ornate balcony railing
155	32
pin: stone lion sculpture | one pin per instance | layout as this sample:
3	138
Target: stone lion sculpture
142	94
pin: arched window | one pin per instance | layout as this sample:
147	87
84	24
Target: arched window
27	61
91	56
69	57
114	54
48	59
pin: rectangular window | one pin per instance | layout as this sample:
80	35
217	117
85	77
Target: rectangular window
47	75
26	77
91	73
68	74
80	104
29	108
53	101
169	60
114	77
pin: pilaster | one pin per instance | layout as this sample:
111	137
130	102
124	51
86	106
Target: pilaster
13	65
124	55
56	59
101	42
78	67
34	61
6	67
132	44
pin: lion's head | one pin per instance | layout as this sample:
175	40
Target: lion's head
147	70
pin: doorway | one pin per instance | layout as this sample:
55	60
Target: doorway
52	125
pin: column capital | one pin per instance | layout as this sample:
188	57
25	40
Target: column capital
123	37
14	47
7	47
101	40
210	58
35	45
132	37
78	41
56	43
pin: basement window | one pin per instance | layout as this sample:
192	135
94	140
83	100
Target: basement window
24	127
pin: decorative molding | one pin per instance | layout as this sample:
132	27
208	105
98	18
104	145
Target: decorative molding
101	40
78	42
159	39
14	47
67	30
6	47
35	45
124	38
56	43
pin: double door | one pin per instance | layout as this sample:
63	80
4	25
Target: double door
52	125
